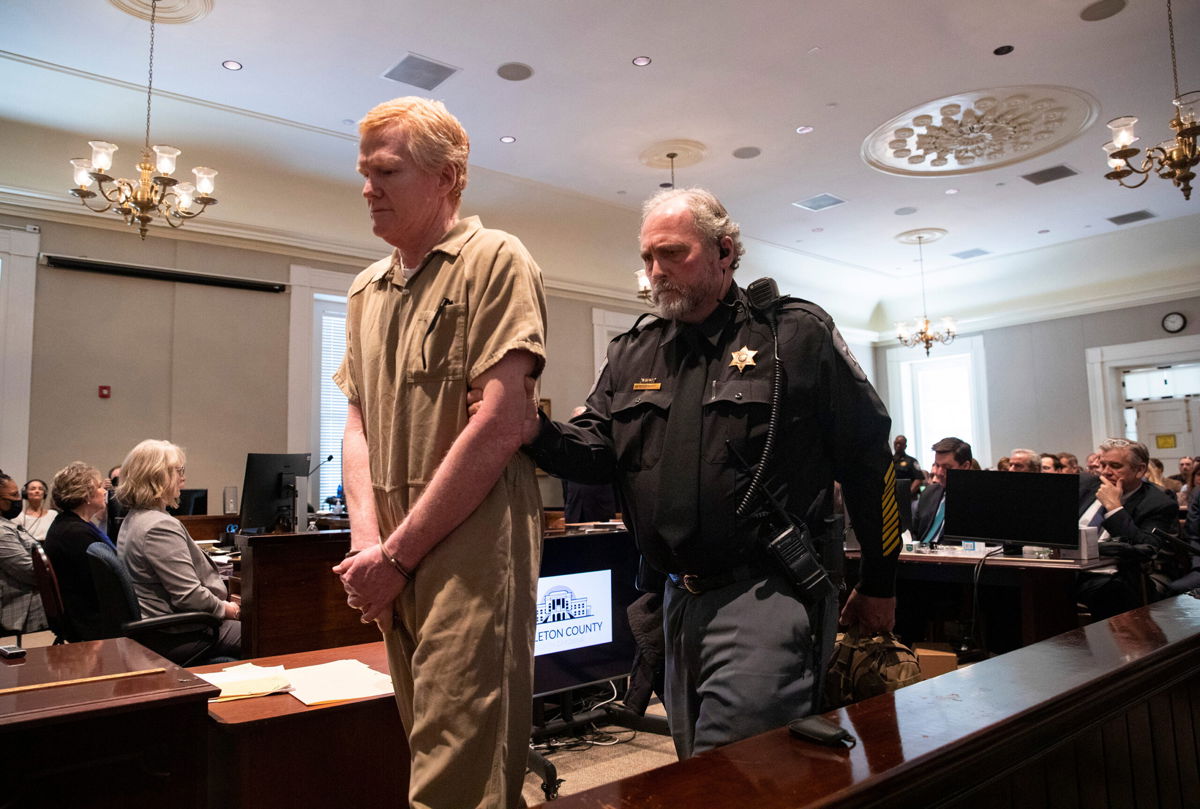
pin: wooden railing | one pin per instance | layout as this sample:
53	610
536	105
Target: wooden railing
1103	716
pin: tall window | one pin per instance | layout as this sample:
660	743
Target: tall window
939	396
329	324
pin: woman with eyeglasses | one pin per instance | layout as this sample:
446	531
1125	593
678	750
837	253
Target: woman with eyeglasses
169	571
79	493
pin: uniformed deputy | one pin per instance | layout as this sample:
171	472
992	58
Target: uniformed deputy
678	420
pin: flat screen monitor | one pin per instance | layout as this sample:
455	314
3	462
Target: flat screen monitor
191	501
582	634
269	492
1025	508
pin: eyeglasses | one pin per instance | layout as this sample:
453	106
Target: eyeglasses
182	470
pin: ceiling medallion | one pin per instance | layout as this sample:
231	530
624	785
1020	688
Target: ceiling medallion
683	153
169	11
979	130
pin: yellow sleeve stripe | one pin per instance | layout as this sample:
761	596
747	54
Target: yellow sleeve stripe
891	513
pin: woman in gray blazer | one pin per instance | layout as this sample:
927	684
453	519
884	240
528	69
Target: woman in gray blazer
169	571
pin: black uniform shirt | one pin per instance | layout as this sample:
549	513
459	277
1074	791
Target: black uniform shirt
832	425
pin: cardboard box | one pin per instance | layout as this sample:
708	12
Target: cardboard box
935	659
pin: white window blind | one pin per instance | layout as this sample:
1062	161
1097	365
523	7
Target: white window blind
331	324
1169	381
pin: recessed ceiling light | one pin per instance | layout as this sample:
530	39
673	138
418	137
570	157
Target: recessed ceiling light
348	122
1043	231
507	139
818	230
951	190
1004	50
747	152
907	210
803	130
514	71
814	49
641	61
620	192
1101	10
231	64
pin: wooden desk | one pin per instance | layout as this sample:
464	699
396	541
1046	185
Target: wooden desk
129	742
291	601
277	752
1102	716
1045	587
207	526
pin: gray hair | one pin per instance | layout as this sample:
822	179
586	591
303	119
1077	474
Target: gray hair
711	219
1136	449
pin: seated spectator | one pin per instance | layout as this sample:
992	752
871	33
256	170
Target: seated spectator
1002	464
1024	460
36	517
1154	473
1070	464
1050	462
113	511
1093	464
1191	525
79	493
928	525
1185	470
1127	510
169	571
20	605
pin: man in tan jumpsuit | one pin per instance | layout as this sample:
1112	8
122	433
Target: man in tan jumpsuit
445	514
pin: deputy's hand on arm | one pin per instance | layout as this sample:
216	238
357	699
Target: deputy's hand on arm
872	615
532	424
371	582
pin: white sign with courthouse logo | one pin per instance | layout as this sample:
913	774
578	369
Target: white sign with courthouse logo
573	611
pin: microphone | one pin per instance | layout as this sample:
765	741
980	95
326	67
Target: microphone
318	466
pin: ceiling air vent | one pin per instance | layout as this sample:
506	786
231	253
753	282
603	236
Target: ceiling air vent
973	253
820	202
1130	218
420	71
1049	175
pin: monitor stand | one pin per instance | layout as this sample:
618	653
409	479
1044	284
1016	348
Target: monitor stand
1013	548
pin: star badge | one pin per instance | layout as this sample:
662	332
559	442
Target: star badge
742	357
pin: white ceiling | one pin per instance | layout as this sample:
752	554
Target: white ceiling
729	75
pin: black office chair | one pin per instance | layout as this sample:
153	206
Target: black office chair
52	602
122	616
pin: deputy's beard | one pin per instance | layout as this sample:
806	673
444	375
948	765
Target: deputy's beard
676	301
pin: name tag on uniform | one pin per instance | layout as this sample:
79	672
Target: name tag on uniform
647	384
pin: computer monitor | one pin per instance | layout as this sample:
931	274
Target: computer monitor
1021	508
269	492
582	634
191	501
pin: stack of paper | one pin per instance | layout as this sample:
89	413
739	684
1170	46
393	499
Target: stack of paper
313	685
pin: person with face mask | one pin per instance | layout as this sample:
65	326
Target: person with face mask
20	606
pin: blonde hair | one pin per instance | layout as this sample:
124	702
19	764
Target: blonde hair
147	474
74	484
435	137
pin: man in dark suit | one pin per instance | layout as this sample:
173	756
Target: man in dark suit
1127	510
928	525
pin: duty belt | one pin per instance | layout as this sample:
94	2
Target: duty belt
696	584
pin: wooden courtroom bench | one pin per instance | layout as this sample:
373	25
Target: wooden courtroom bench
1102	716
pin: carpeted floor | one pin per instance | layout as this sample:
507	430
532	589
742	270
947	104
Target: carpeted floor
583	766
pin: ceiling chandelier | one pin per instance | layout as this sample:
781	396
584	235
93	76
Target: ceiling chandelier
920	333
1174	158
645	293
155	192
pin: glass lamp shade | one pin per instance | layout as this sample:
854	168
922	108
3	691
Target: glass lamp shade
1122	131
82	166
643	282
1189	107
184	193
165	158
102	155
204	180
902	331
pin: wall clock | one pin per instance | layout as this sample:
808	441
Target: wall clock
1174	322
